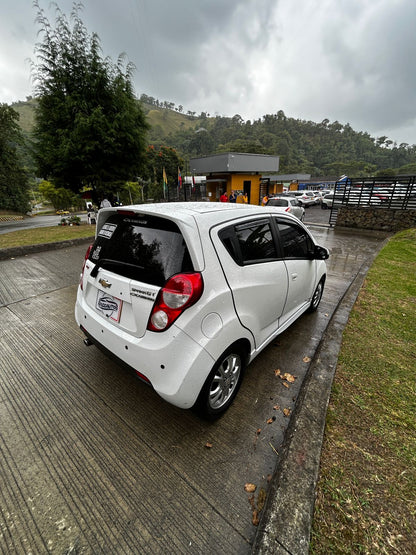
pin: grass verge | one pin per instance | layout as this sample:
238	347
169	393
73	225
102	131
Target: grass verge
40	235
366	494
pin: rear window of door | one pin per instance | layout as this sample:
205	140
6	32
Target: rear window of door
250	242
141	247
294	240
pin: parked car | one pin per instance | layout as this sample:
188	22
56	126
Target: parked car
348	198
188	294
305	198
328	200
289	204
318	196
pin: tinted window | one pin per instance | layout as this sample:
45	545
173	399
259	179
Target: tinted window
277	202
250	242
295	241
141	247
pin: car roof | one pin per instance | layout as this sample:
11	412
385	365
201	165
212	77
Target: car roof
195	219
285	197
185	213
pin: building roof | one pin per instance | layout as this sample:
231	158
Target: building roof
290	177
234	162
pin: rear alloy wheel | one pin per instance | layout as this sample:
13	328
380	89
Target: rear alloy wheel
317	296
222	385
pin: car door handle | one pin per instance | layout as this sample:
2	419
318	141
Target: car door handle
294	276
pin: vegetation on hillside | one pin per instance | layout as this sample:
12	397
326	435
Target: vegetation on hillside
325	148
321	149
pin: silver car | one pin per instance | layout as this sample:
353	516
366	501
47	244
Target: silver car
288	204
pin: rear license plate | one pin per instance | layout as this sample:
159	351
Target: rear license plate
109	306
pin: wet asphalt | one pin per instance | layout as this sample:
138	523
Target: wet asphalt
93	461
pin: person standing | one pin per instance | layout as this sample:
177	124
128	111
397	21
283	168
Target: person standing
105	203
233	197
224	197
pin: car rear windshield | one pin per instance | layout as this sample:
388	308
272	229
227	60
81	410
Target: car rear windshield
277	202
141	247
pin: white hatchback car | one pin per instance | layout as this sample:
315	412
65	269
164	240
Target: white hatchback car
187	294
289	205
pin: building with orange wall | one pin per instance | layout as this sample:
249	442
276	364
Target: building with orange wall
240	172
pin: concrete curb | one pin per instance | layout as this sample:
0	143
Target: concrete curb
14	252
285	526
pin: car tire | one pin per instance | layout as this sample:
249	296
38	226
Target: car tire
222	384
317	296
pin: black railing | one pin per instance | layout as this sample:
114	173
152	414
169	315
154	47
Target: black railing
386	192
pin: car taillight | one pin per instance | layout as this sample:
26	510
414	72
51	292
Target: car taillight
179	293
87	254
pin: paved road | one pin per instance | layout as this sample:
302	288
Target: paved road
92	461
313	215
33	222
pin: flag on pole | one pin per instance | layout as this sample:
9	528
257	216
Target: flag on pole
165	183
179	179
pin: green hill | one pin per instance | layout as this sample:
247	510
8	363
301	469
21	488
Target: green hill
323	148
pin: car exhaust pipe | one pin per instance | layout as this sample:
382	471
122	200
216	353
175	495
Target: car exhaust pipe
87	342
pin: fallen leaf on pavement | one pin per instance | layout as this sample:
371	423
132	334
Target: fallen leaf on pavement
208	445
306	359
286	412
277	372
249	488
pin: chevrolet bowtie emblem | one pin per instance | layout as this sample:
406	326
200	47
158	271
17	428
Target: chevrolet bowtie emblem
104	283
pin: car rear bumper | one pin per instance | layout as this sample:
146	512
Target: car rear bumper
175	365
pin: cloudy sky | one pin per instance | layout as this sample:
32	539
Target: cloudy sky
345	60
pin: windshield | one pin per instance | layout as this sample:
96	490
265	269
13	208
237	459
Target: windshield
141	247
277	202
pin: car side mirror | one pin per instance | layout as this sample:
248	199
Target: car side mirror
320	253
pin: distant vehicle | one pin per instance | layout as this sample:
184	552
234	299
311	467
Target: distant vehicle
349	198
62	212
288	204
327	201
305	198
318	196
188	294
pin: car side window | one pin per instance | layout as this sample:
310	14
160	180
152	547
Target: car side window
250	242
295	241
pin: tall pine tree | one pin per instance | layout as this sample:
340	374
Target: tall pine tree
13	180
90	130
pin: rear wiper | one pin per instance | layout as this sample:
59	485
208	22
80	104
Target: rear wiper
104	261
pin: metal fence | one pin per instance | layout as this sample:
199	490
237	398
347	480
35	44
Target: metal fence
395	193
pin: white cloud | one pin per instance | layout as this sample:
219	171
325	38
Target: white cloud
345	60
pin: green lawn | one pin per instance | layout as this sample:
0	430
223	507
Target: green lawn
45	235
366	496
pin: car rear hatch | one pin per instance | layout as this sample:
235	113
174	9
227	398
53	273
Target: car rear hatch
131	259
